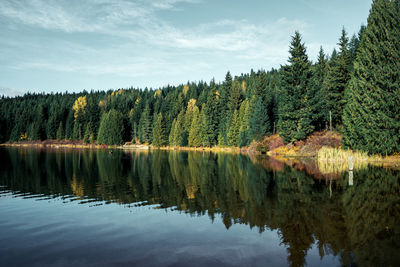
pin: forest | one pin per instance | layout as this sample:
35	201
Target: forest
354	90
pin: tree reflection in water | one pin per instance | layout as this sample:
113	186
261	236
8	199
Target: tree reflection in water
359	223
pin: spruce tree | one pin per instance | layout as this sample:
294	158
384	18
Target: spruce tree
88	137
294	111
336	80
111	130
159	131
372	114
145	125
204	133
179	137
259	122
244	119
317	94
212	114
233	133
171	137
60	131
194	138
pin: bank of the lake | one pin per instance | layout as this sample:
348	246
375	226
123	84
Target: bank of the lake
323	147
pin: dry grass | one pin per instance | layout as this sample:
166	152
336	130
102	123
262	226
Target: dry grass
332	160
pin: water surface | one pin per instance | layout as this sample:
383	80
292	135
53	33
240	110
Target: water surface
73	207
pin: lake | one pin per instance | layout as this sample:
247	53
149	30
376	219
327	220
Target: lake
139	208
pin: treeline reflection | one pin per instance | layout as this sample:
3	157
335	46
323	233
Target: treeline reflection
359	223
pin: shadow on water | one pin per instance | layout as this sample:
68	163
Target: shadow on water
359	223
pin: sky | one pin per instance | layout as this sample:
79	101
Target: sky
74	45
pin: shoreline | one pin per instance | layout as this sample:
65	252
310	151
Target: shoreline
282	153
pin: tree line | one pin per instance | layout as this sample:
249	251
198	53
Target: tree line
355	90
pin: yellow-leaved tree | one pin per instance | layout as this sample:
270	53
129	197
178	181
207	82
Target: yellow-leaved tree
79	106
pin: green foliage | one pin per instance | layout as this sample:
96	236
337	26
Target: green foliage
89	134
60	132
244	119
336	80
317	95
233	133
293	101
77	131
145	127
259	121
177	134
111	128
372	115
159	138
294	111
194	139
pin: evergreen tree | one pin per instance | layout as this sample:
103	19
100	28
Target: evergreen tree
60	132
37	128
212	115
317	94
234	97
194	139
77	131
336	80
159	132
294	111
233	133
244	119
204	134
172	134
259	122
145	128
111	128
88	137
372	114
177	134
69	125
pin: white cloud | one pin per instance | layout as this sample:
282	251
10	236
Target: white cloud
131	39
11	92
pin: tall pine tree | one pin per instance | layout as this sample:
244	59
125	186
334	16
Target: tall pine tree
159	138
372	114
336	80
294	111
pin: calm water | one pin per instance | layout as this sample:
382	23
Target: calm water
73	208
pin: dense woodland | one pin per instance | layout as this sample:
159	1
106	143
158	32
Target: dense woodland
356	89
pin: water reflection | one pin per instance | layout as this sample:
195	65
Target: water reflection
360	224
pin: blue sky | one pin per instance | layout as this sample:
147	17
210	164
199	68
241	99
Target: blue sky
74	45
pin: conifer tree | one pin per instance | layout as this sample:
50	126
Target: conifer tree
145	125
177	135
69	125
234	97
233	133
172	135
204	134
212	114
159	131
336	80
372	114
317	94
244	119
294	110
77	131
88	137
194	138
111	128
259	122
60	131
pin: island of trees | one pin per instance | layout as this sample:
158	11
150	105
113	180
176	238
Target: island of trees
355	90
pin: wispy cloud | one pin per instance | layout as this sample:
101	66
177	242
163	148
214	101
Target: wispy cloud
11	92
131	39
